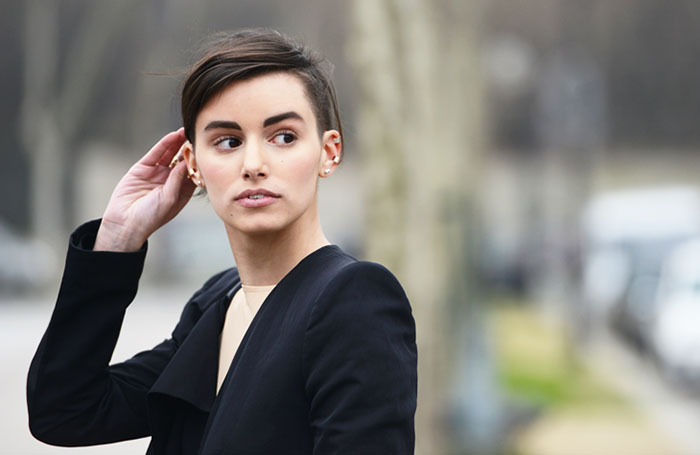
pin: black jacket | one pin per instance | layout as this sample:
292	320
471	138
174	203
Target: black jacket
328	364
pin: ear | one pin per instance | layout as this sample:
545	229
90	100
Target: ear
192	170
332	152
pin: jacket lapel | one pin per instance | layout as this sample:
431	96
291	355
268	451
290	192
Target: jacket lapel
192	372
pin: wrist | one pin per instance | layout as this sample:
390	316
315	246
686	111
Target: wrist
118	239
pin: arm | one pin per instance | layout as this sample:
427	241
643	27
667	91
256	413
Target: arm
360	365
74	397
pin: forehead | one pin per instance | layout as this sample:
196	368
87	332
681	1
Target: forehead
258	98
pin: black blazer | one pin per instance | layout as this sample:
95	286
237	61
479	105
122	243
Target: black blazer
328	364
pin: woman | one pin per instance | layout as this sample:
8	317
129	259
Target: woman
299	349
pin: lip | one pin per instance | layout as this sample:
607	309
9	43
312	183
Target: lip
268	197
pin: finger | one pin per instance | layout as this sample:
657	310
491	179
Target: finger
165	148
178	184
179	156
169	159
176	159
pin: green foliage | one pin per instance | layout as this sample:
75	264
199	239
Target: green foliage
536	362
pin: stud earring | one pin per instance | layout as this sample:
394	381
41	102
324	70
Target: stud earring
190	174
327	171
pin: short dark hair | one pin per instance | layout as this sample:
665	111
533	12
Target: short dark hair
228	57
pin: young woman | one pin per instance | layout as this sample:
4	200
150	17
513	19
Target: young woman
300	349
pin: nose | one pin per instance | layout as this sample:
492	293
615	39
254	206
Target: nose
254	163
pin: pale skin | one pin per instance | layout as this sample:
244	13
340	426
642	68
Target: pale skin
256	134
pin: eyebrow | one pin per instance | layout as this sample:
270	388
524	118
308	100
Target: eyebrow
223	124
226	124
279	117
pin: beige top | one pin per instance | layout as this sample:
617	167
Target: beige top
243	308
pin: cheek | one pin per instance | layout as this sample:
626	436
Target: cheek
218	173
302	171
213	175
218	181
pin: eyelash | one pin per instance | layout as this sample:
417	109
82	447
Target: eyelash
223	139
285	132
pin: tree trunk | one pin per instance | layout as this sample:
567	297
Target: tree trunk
419	131
53	116
40	136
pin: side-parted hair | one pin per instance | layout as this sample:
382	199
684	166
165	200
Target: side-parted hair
228	57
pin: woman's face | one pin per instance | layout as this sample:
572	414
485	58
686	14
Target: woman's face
259	155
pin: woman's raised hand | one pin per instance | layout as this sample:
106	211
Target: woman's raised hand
146	198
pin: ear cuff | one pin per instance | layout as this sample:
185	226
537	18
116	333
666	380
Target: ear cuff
191	174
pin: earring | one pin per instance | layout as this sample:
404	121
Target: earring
327	171
336	159
336	140
190	174
174	161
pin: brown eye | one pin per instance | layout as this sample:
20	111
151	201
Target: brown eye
228	143
284	138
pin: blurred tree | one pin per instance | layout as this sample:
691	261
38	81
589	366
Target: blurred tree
13	174
419	129
57	96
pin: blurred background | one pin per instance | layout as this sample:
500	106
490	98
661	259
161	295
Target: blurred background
529	170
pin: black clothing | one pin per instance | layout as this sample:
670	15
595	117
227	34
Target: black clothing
328	364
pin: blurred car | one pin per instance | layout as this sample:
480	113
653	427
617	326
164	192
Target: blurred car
676	329
627	236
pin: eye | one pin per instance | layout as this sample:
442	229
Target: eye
284	138
228	142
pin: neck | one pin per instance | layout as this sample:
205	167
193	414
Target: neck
265	258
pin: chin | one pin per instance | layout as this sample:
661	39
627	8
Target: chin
264	224
262	230
261	227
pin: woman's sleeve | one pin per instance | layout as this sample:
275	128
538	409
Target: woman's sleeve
74	396
360	364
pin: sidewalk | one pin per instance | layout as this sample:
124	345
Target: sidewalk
600	432
603	401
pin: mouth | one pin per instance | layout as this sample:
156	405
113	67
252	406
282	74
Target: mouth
256	198
256	193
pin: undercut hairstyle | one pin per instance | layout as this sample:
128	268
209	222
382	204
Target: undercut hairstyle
228	57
